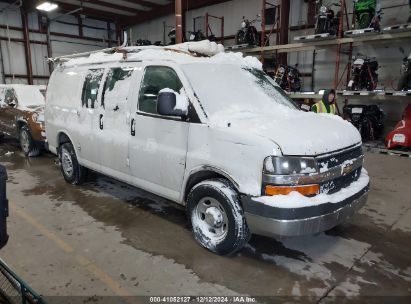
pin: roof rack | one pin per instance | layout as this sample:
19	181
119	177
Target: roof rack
111	50
190	48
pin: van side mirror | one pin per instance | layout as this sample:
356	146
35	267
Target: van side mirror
167	104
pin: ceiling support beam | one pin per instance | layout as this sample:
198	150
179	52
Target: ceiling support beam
27	49
284	26
179	21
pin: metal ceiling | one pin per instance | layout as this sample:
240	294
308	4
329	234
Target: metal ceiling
123	12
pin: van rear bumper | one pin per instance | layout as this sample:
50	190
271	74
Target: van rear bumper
273	222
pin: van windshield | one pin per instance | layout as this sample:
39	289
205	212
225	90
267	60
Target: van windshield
231	88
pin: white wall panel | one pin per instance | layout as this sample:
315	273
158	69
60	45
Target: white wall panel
16	63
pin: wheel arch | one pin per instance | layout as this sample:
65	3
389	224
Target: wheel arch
203	173
20	123
62	138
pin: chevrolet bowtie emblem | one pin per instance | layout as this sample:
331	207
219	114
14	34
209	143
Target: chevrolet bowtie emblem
347	169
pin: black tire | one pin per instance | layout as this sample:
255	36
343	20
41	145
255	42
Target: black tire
240	37
235	230
405	82
252	37
67	155
27	144
365	21
321	26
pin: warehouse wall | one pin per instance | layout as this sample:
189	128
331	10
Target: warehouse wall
12	53
389	57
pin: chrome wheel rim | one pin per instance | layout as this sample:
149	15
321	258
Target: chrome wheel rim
67	163
24	141
210	217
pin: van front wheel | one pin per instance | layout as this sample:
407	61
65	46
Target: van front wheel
72	172
216	216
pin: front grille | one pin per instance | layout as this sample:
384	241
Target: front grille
334	160
337	184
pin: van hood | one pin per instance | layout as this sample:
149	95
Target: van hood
302	134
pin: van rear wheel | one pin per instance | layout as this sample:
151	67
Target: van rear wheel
72	171
217	218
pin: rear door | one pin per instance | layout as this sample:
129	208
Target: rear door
89	145
114	122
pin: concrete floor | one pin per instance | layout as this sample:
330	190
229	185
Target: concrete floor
108	239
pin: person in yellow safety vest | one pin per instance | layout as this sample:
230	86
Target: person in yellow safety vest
326	104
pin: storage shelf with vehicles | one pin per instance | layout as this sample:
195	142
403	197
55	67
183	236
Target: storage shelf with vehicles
325	43
378	94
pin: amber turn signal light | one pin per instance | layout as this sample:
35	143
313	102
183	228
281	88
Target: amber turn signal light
307	190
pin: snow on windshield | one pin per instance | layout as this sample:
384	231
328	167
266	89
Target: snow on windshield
232	89
29	96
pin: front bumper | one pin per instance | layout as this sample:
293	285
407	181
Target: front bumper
273	221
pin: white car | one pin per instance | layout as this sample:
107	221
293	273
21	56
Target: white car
208	130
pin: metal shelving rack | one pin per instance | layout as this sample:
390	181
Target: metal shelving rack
393	33
389	34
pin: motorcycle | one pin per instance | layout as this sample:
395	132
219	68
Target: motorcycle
197	36
368	119
364	74
288	78
143	42
248	33
327	21
172	36
400	137
368	14
404	83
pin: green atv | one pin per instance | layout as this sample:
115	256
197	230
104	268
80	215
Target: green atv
364	12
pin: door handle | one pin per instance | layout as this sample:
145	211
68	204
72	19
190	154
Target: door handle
133	127
101	122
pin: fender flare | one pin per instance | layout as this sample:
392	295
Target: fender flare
205	169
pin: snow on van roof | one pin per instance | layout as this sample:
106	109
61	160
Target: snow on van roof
189	52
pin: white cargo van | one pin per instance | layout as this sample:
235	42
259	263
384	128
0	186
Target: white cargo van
208	130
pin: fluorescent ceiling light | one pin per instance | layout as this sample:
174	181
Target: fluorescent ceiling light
47	6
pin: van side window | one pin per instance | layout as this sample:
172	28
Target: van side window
155	79
116	88
90	88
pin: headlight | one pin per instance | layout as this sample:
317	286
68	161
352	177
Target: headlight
323	9
37	117
289	165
